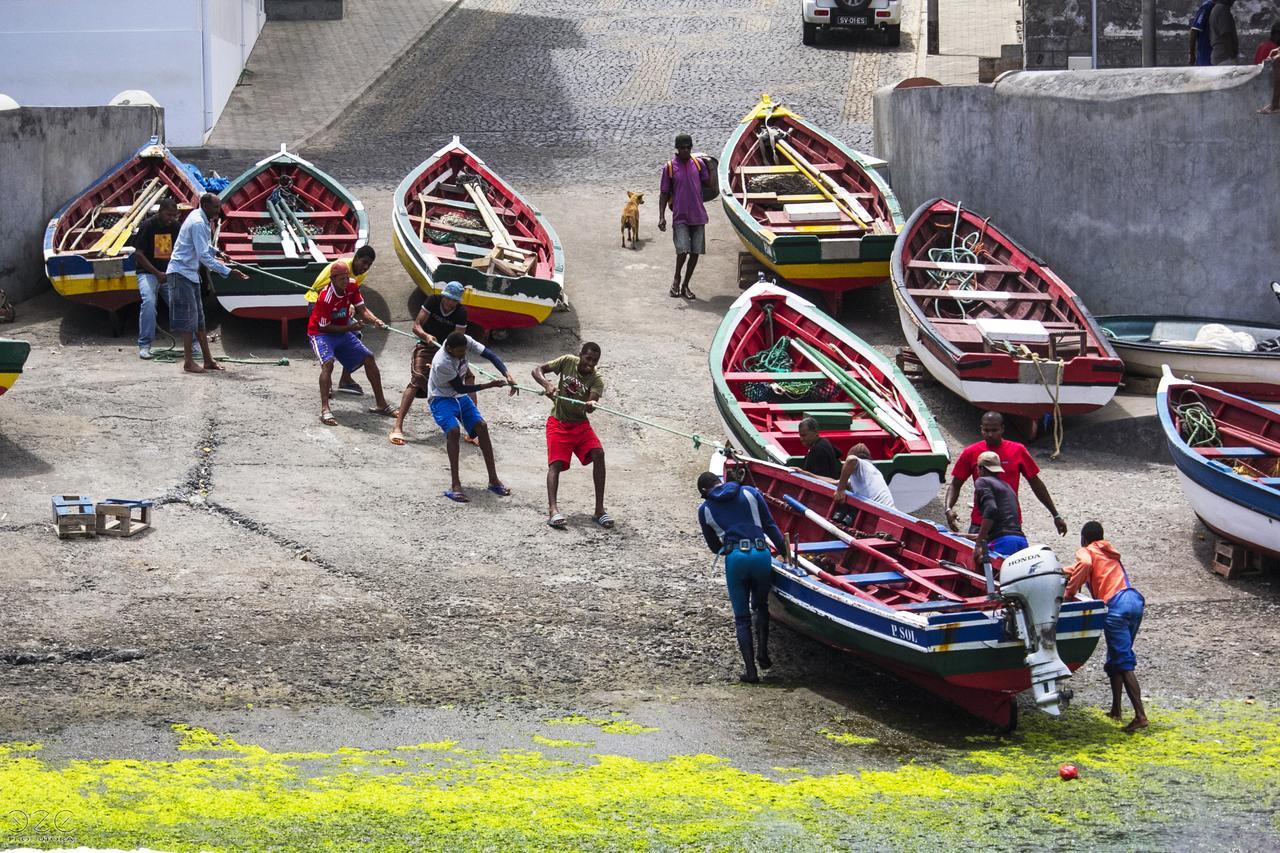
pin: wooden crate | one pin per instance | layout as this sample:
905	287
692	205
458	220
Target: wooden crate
1232	560
116	517
910	365
74	516
749	270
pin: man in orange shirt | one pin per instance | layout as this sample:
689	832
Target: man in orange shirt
1098	564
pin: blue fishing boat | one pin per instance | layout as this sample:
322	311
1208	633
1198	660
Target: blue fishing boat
1227	453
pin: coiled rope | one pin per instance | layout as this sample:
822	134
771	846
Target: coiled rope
775	359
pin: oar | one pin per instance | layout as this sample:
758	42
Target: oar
867	400
857	544
826	186
286	235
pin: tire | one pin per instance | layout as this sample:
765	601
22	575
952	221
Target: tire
810	37
893	35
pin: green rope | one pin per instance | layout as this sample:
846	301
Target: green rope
1198	426
775	359
173	353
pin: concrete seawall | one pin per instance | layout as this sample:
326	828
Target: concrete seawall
1148	190
50	154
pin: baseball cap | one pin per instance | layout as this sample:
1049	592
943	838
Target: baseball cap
989	460
453	290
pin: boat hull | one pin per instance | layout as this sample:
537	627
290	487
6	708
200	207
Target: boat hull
13	356
1029	398
493	301
87	277
1238	522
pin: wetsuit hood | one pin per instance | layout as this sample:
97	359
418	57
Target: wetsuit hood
725	492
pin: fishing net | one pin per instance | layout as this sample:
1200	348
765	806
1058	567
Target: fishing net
457	220
785	184
777	359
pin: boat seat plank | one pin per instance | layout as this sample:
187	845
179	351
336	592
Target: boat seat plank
977	295
747	376
768	170
821	547
1273	482
799	407
874	578
1230	452
438	225
952	266
474	251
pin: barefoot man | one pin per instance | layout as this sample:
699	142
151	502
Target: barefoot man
332	329
1098	564
452	408
192	250
569	433
441	315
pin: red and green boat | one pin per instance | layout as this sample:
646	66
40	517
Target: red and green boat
896	592
289	219
807	206
13	355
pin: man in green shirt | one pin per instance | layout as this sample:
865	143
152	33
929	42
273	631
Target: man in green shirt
569	433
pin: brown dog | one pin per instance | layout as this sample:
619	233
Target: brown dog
631	218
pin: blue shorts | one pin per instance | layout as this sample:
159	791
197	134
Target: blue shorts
448	411
186	308
1003	546
349	350
1124	615
748	574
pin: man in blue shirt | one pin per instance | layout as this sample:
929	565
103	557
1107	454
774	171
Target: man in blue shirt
192	250
1200	48
735	520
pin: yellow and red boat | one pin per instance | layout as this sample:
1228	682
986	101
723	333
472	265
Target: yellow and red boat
13	355
86	252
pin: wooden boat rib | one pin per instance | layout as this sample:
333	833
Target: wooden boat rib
1233	483
13	355
455	219
809	208
291	219
85	252
994	326
1146	342
905	597
855	393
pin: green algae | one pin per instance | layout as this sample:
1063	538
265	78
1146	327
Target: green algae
608	726
846	738
563	744
1203	764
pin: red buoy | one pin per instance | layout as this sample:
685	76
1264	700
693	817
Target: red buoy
1068	772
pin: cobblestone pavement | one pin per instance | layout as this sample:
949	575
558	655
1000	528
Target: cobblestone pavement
302	73
549	90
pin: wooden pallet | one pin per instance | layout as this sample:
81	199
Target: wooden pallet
115	517
749	270
1232	560
910	364
75	517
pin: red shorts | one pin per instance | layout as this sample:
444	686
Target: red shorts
564	441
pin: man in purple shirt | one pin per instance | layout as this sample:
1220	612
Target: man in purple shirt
683	178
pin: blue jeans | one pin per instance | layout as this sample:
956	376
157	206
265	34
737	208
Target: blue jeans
149	289
1003	546
749	574
1124	616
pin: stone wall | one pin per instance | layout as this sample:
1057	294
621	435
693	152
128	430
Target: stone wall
50	154
1056	29
1147	190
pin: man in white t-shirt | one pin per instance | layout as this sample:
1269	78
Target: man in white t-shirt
860	476
453	410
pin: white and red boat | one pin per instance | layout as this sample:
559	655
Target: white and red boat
992	322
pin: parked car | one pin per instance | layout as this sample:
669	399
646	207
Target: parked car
882	15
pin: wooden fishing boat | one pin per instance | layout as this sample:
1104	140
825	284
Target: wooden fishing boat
85	252
992	322
1227	452
1146	342
455	219
898	593
290	219
808	207
822	370
13	355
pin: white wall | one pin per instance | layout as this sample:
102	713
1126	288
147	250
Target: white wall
187	53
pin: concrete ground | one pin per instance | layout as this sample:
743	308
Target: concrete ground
314	579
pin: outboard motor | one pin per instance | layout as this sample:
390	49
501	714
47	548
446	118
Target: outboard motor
1031	583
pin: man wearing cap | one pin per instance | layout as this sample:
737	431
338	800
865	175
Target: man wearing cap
1000	533
332	329
1015	461
357	268
683	178
441	315
735	520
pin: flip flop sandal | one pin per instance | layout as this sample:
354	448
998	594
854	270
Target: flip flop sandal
558	522
397	438
327	418
472	440
388	410
674	293
500	490
458	497
605	520
688	294
354	389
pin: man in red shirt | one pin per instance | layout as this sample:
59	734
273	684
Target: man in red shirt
1016	463
332	329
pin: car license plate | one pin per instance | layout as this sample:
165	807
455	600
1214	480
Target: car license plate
853	20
